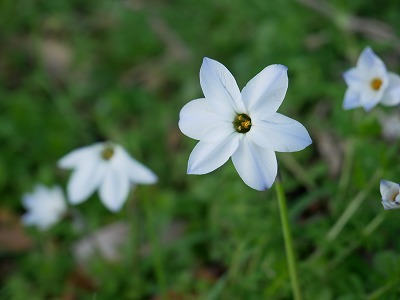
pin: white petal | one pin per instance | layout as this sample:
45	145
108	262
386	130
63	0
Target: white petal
208	156
85	179
389	189
196	118
57	194
76	157
220	89
134	170
114	189
28	219
265	92
45	206
351	99
355	79
256	166
368	62
219	133
28	201
369	98
279	133
390	205
391	96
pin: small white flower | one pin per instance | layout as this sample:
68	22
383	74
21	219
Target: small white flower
369	83
107	167
242	125
390	194
45	206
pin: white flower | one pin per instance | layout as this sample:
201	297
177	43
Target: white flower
45	206
107	167
390	194
369	83
242	125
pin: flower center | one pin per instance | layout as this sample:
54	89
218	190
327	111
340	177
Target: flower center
242	123
393	197
376	84
107	152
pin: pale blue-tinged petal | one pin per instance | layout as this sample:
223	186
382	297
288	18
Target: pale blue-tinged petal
28	201
391	97
220	89
219	133
368	62
390	194
78	156
279	133
85	179
196	118
45	206
351	99
133	170
114	189
56	193
263	94
208	156
355	79
40	192
370	98
256	166
387	205
28	219
32	218
389	189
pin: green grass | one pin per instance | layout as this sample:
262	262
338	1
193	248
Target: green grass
76	72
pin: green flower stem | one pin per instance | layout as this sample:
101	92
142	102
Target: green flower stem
287	236
155	246
132	248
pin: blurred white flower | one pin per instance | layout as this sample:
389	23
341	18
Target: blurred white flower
45	206
369	83
390	123
242	125
390	194
107	167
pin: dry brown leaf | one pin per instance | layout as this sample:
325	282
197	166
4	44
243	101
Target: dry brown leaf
107	242
12	235
56	57
170	234
331	149
390	123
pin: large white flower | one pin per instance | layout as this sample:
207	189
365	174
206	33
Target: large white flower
45	206
242	125
369	83
390	192
107	167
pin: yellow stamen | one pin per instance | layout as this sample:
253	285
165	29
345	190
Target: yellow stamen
246	124
242	123
107	152
393	198
376	84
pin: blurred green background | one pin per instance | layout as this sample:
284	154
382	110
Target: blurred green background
76	72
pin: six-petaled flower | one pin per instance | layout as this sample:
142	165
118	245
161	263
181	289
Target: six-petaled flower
107	167
390	192
242	125
369	83
45	206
